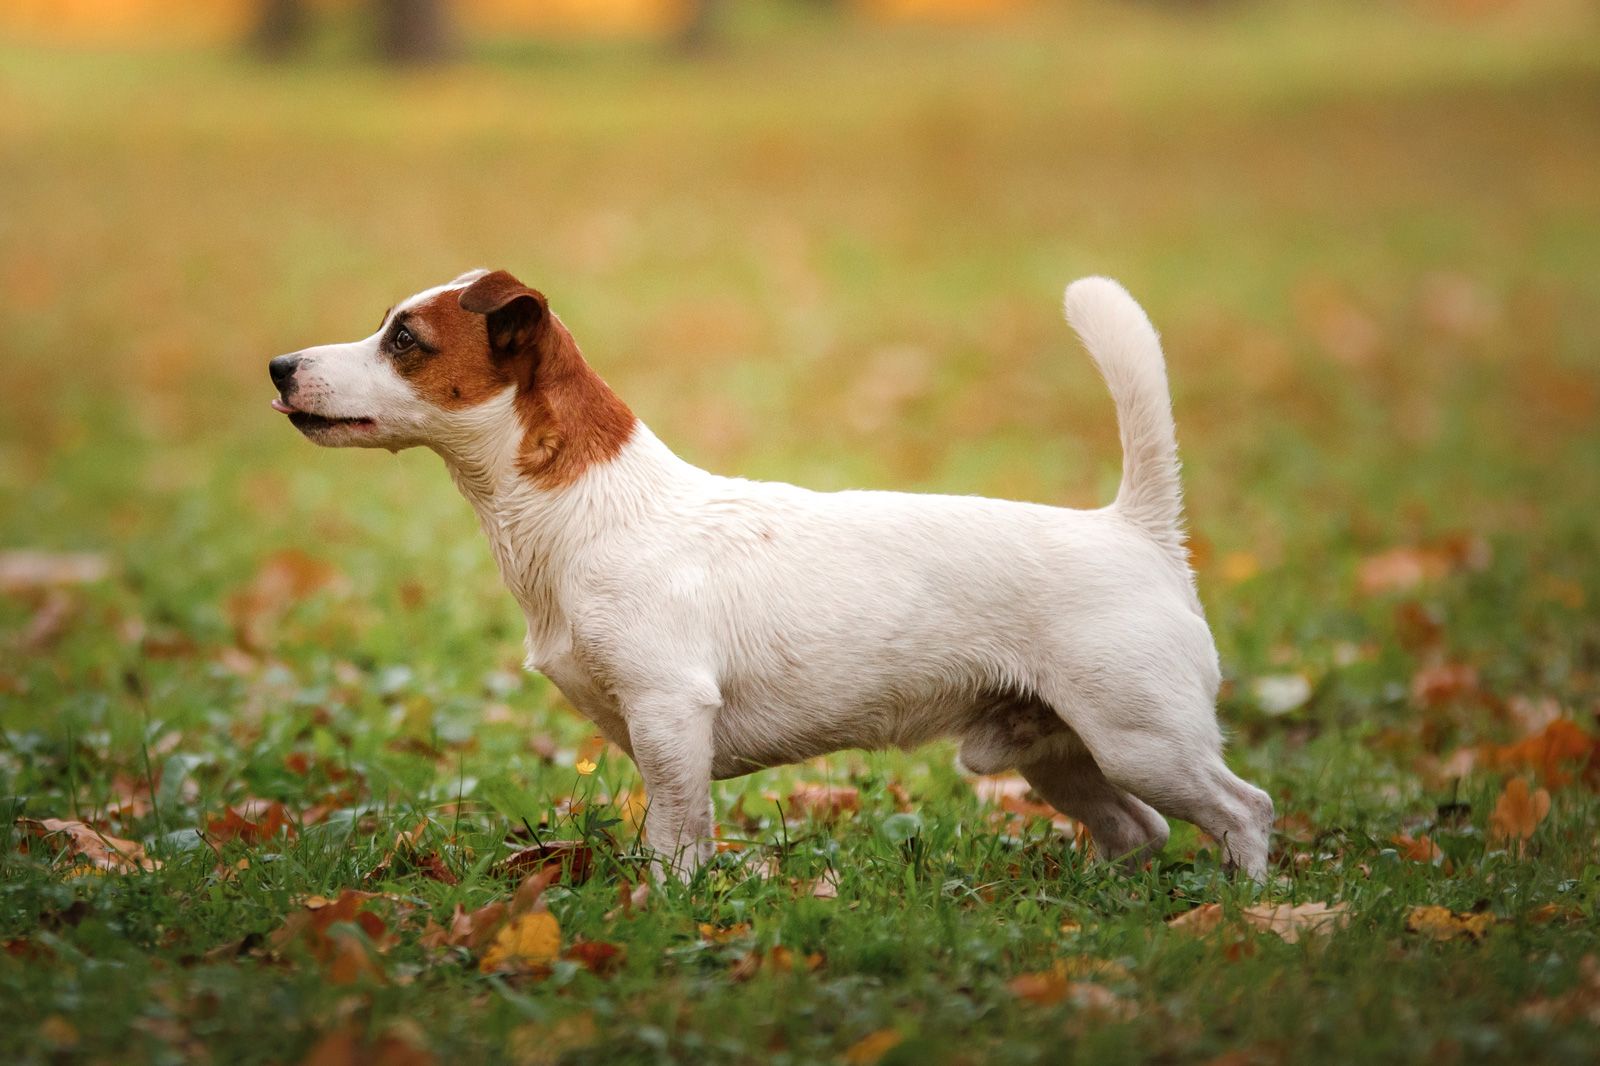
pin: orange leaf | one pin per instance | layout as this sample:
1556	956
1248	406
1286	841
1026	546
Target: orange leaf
824	802
1550	753
1418	849
108	853
872	1047
1518	813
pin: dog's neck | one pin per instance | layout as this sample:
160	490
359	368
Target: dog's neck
539	535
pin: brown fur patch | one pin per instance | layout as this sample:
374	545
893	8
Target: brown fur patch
570	417
460	371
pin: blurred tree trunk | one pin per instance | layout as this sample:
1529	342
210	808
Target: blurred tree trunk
699	32
414	31
280	27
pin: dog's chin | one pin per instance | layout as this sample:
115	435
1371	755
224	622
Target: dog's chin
336	432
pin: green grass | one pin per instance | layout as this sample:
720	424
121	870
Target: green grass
1371	240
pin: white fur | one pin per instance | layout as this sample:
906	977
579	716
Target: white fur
711	626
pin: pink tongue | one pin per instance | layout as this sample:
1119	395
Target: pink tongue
280	406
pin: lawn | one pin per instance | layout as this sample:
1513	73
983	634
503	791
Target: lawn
287	679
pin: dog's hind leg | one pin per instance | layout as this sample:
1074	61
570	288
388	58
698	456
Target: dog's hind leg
1162	745
1123	827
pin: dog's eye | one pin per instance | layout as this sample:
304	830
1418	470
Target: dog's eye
403	341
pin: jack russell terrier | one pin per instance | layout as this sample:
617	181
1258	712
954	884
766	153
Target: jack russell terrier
712	626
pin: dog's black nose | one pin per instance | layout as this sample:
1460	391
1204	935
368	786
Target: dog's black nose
282	369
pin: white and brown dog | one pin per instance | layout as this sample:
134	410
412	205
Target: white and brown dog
712	626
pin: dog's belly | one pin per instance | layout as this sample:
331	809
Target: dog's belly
996	728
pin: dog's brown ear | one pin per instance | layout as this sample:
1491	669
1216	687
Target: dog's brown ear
514	311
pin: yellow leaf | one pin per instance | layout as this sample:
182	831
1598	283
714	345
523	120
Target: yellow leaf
872	1047
526	941
1441	923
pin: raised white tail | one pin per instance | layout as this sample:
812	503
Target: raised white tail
1125	347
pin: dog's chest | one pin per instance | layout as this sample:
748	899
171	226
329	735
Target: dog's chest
591	699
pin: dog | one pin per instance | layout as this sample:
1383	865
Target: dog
712	626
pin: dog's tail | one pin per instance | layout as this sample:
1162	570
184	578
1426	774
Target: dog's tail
1125	347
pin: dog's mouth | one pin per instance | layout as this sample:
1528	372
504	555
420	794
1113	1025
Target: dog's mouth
306	422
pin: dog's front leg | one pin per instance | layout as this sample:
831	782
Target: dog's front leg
671	734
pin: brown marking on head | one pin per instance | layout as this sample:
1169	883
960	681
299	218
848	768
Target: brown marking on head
570	418
451	364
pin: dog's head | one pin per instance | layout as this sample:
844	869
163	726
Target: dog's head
448	364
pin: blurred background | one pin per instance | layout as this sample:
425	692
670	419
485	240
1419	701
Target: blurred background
809	240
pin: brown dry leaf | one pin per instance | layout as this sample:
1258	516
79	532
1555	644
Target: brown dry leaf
401	1044
283	579
1015	797
1554	753
871	1048
319	927
1404	568
1518	813
1441	923
824	802
1417	849
1199	921
108	853
596	956
572	860
257	821
469	929
23	570
1287	922
1057	985
1442	684
526	943
49	621
629	900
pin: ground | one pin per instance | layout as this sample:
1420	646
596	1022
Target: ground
1370	236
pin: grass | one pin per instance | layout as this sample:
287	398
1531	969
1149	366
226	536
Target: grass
1370	238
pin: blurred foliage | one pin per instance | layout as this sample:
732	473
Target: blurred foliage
1370	237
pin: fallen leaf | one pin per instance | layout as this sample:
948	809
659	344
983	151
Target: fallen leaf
323	928
401	1044
824	802
629	900
266	820
1518	813
1417	849
104	852
572	860
872	1047
1404	568
527	942
596	956
283	579
1286	922
1441	923
23	570
1441	684
1553	753
49	622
